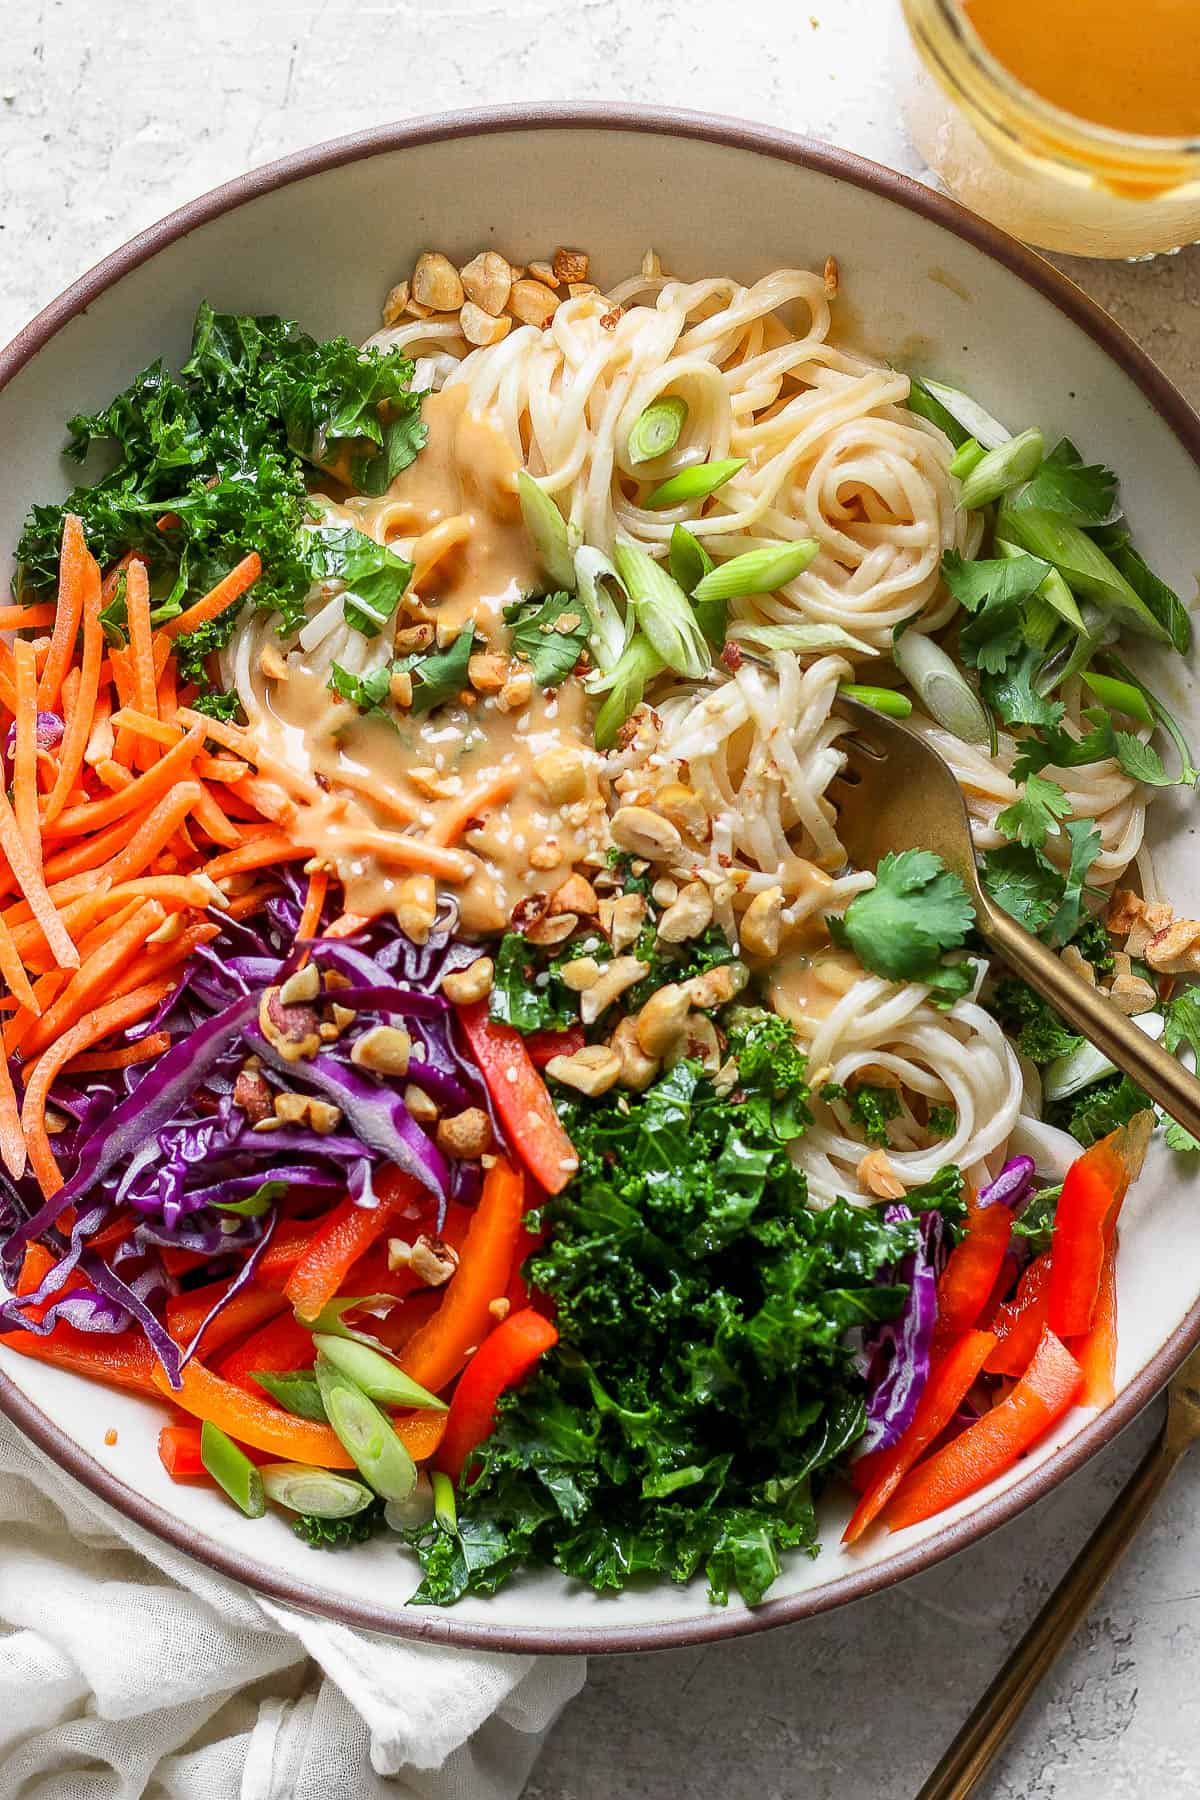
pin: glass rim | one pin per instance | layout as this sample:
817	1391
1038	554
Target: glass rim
1134	149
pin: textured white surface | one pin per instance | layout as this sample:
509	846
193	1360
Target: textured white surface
112	114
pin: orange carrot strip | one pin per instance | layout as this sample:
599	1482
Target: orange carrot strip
25	795
17	618
150	832
44	990
347	923
82	711
241	741
115	1016
95	974
12	1138
388	798
92	852
260	853
412	853
222	768
31	883
146	725
210	818
155	1045
168	704
229	589
314	904
141	653
249	902
101	741
77	915
114	775
13	970
162	958
148	787
498	787
73	575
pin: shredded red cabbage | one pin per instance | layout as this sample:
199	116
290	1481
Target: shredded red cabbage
897	1350
1012	1186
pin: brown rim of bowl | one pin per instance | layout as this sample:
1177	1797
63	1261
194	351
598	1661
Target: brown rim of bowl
842	165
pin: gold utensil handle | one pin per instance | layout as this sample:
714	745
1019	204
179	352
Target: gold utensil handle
986	1731
1090	1011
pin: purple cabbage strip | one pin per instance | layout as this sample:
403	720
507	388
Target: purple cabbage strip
242	1279
48	732
904	1342
1012	1186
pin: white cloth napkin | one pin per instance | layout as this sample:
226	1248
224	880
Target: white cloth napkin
128	1670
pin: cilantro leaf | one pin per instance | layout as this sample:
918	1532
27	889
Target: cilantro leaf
1083	494
1085	847
995	591
527	990
367	692
1032	817
900	928
372	576
1182	1028
1178	1137
550	634
1141	761
1012	692
1036	1222
1021	881
438	675
1055	746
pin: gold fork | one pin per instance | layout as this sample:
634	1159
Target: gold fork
986	1731
897	793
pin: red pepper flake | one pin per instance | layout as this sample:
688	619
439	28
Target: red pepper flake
110	1436
732	657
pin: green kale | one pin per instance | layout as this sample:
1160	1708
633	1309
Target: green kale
1035	1028
900	928
1036	1221
340	1534
528	991
1098	1109
703	1379
194	648
372	577
942	1121
550	634
218	705
869	1108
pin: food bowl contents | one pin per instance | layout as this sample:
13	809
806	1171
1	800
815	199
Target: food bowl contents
1076	126
451	1067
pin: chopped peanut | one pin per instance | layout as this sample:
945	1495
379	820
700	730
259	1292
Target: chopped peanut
432	1261
876	1173
413	639
552	928
465	1135
467	985
760	926
562	773
516	692
487	282
544	272
1175	950
435	283
479	327
592	1070
621	973
487	673
575	895
384	1049
687	916
400	687
645	833
395	303
662	1020
416	907
533	303
637	1069
570	265
305	984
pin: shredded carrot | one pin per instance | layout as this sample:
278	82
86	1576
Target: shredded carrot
146	725
115	1016
25	794
95	974
249	902
45	989
168	704
229	769
31	883
114	775
231	588
160	958
156	1044
149	833
314	904
12	1139
497	788
101	742
148	787
73	576
242	742
91	852
412	853
211	819
141	654
260	853
388	798
77	916
80	714
347	924
18	618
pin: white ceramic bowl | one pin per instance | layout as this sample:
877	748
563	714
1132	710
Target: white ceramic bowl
322	236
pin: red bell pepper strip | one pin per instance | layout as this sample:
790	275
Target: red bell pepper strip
35	1266
986	1449
342	1238
179	1452
521	1098
1095	1186
1018	1323
1096	1351
544	1045
291	1239
279	1346
949	1382
182	1262
436	1353
125	1360
250	1308
970	1274
499	1363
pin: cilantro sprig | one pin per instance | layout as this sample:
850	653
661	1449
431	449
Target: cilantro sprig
902	927
550	634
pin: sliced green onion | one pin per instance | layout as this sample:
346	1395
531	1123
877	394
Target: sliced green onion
255	1204
1188	773
331	1318
752	636
969	414
757	572
625	685
416	1511
296	1391
1054	590
610	624
968	456
1002	469
1120	696
941	687
689	560
548	529
303	1489
1080	561
1085	1064
377	1376
232	1470
696	483
883	700
366	1433
663	611
658	429
1039	623
445	1506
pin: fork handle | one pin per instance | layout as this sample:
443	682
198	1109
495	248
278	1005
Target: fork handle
987	1730
1093	1014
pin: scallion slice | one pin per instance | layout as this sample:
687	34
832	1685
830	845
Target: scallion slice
548	529
689	560
696	483
304	1489
416	1511
1002	469
941	687
663	611
366	1433
883	700
378	1377
1080	561
749	635
296	1391
757	572
445	1506
232	1470
658	428
969	414
610	627
1120	696
624	687
968	456
1085	1064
